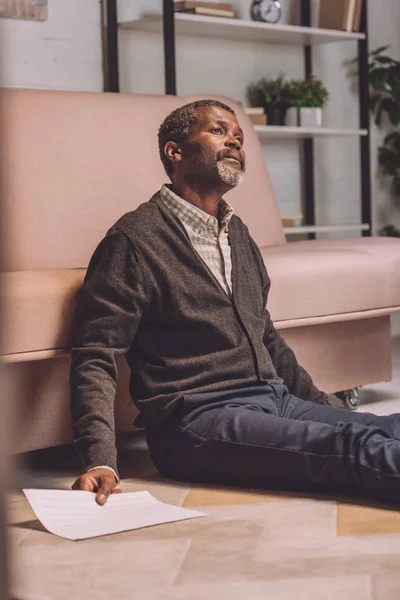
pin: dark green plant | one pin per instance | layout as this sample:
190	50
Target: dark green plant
384	79
308	93
390	231
389	159
269	93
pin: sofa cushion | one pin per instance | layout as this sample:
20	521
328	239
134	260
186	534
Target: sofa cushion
38	308
97	159
309	279
327	277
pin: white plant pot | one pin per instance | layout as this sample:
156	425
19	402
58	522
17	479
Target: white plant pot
292	117
310	117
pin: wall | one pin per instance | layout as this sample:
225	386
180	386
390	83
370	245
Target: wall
63	53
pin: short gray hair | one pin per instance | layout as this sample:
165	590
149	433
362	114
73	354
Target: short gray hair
177	125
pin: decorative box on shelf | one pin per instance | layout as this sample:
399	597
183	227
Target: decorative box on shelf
344	15
256	115
205	9
310	117
292	220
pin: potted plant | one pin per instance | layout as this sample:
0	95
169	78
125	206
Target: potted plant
384	80
273	96
389	160
384	77
308	97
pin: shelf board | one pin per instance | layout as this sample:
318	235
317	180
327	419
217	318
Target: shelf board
240	29
325	228
275	131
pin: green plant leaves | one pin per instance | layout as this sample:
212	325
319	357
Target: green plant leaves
389	159
384	80
379	50
269	92
390	230
308	93
284	94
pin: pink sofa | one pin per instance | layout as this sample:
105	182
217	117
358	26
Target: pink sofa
73	163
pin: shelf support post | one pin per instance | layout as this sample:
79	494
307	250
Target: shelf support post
169	47
308	143
364	99
110	45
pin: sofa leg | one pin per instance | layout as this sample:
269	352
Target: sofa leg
349	398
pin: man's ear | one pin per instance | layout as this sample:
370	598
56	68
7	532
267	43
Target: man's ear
173	151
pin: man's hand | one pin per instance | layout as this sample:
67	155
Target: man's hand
101	481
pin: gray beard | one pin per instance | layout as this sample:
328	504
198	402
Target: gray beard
229	175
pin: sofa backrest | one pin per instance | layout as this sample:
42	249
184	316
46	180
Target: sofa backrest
74	162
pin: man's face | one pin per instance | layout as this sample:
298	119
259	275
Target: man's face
214	149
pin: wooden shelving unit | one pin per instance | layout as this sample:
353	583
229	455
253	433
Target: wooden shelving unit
171	24
325	228
239	29
274	131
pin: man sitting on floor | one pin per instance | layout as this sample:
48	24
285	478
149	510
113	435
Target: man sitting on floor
180	288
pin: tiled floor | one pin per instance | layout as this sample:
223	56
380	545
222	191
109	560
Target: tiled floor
253	544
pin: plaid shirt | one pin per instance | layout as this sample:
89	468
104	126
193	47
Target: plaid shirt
209	242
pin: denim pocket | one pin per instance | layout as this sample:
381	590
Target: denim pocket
199	419
196	440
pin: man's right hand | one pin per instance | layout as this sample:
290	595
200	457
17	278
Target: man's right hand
101	481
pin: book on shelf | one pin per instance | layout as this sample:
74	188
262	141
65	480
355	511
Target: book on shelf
340	14
357	16
350	15
256	115
292	220
254	110
258	119
206	12
199	4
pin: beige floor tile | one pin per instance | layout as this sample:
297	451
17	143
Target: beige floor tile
210	495
247	546
277	547
163	491
97	568
356	587
366	520
294	524
309	529
27	596
49	480
17	535
15	496
19	512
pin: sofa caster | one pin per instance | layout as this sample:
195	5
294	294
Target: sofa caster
349	398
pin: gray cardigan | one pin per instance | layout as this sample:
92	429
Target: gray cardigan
149	296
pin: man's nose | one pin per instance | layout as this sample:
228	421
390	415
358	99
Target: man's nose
233	143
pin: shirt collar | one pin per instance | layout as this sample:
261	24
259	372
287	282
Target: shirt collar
193	216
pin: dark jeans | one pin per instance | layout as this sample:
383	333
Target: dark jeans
262	436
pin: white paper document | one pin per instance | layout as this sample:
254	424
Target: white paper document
75	515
